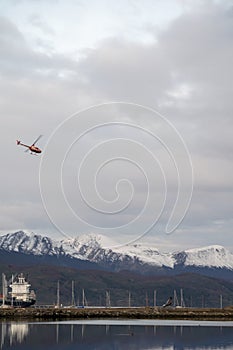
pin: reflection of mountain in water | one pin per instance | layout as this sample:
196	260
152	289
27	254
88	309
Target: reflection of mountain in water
13	333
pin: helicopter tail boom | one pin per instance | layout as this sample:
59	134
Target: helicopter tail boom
21	144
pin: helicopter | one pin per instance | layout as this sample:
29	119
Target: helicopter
32	148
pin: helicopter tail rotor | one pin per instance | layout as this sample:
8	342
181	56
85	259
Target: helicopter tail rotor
18	142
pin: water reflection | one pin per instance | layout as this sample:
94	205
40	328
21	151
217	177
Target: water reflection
13	332
113	336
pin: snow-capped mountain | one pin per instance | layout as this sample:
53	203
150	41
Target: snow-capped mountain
91	247
22	242
212	256
135	257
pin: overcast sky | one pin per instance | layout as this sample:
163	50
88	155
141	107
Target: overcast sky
120	169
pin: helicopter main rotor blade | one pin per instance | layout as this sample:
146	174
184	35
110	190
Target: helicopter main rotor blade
37	140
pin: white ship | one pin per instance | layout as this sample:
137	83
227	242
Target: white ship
20	294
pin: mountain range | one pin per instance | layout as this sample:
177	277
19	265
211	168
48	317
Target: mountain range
91	252
204	274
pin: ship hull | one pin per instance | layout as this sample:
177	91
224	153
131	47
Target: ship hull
18	303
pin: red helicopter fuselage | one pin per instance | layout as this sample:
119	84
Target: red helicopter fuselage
32	148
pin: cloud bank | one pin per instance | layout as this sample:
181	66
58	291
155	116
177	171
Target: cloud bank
184	71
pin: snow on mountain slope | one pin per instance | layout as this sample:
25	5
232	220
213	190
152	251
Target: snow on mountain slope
91	247
86	244
29	244
211	256
147	254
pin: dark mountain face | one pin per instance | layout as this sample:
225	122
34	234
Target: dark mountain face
97	284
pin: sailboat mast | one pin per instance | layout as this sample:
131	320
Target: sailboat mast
83	301
108	300
3	289
58	294
182	303
155	297
72	294
12	280
129	299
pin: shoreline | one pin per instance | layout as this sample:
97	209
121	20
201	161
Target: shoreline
156	313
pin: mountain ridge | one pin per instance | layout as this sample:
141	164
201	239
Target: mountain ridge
134	257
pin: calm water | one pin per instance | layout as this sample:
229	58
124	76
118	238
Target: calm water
117	335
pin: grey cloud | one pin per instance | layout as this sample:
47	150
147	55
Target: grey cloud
18	59
38	22
194	52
